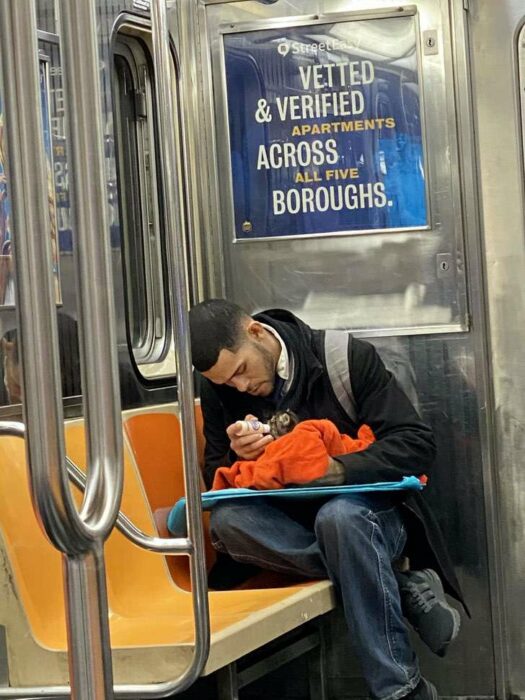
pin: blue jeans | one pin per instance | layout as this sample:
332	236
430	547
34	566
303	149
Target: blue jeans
351	539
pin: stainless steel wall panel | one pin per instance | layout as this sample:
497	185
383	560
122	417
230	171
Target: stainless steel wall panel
373	282
446	378
449	398
494	53
362	273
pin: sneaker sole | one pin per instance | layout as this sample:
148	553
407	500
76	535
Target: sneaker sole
456	617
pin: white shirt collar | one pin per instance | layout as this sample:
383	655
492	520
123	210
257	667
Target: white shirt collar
284	367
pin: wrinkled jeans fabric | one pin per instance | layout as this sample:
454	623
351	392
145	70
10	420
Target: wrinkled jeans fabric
351	539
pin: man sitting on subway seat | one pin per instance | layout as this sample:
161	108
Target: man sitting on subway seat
253	366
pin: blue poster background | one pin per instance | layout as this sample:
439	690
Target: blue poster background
362	165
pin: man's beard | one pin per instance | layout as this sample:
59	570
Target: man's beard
269	365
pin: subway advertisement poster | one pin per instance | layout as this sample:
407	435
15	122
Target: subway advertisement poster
325	129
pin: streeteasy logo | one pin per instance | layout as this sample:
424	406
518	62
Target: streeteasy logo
299	47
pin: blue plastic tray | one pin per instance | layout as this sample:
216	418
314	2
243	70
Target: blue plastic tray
177	515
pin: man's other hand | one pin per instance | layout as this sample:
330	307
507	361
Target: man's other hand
247	446
335	475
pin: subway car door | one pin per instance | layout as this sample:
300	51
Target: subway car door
337	178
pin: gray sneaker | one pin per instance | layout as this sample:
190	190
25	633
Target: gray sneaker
425	607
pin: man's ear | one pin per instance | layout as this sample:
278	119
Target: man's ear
255	330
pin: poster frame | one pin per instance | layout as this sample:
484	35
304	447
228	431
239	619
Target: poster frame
314	20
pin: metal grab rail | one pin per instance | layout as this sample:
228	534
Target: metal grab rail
35	303
79	537
173	204
128	529
101	392
162	545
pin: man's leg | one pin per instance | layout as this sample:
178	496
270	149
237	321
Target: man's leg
264	535
360	537
255	532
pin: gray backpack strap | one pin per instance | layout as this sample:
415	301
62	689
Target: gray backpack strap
397	363
336	350
337	345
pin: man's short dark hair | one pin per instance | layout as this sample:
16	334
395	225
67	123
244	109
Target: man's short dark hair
215	325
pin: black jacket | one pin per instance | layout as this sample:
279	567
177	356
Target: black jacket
404	444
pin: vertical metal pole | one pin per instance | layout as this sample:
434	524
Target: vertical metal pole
79	538
101	392
316	659
173	202
91	673
91	666
30	222
227	682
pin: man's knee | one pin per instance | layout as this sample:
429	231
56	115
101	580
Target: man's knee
234	519
224	516
341	513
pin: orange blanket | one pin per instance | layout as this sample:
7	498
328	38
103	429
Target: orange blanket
296	458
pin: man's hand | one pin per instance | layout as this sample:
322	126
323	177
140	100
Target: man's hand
247	446
335	475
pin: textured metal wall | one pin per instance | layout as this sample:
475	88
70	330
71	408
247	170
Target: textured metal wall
494	49
451	368
391	281
478	488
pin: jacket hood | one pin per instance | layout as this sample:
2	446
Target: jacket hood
284	316
299	339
